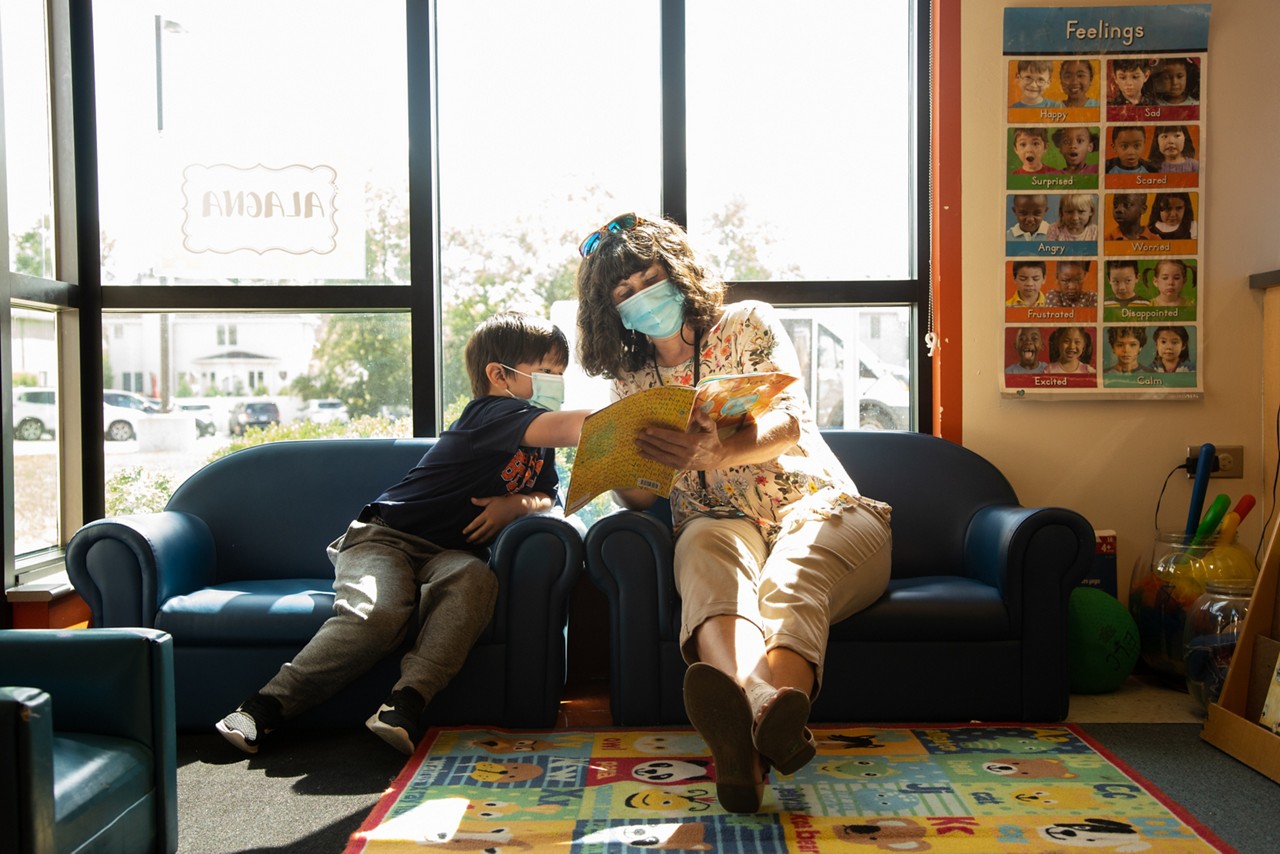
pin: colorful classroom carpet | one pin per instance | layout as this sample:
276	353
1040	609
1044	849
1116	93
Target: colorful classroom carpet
989	789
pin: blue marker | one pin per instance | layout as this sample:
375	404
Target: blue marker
1203	467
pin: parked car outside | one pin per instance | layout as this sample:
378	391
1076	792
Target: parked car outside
203	414
324	411
35	414
119	423
252	413
129	400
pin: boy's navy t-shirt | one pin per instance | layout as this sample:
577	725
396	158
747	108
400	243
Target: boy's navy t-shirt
479	456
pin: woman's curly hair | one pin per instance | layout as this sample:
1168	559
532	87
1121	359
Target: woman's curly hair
607	348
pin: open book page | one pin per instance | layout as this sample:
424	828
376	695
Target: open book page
607	456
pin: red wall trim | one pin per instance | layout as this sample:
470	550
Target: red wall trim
948	312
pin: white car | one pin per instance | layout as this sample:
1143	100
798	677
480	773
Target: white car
324	411
35	414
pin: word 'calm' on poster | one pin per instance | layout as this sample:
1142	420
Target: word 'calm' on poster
1103	201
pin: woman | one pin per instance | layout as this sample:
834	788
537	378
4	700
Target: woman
773	542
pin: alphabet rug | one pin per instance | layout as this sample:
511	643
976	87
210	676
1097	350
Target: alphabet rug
989	789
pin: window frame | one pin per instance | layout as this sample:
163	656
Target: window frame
79	296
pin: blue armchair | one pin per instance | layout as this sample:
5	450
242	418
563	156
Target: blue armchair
973	625
235	570
88	760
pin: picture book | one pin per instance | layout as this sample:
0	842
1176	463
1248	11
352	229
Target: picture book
607	457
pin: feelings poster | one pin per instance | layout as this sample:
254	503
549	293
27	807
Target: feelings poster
1103	285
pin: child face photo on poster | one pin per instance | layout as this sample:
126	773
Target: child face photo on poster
1126	344
1128	145
1028	280
1029	211
1030	145
1122	276
1075	144
1173	350
1127	209
1170	277
1076	77
1130	77
1033	77
1027	345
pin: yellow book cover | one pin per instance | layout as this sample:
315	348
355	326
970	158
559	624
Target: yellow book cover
607	457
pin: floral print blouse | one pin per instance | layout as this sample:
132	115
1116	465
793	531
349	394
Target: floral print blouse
807	479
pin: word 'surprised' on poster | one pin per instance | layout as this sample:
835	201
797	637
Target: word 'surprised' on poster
1104	159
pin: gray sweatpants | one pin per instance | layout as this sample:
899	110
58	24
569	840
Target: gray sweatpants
382	576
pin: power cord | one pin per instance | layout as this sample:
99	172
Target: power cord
1266	524
1160	497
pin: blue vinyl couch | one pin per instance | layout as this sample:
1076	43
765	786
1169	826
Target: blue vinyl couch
973	625
235	570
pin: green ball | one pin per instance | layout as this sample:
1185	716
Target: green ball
1102	641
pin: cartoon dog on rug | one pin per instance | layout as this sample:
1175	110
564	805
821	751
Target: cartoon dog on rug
685	836
1096	833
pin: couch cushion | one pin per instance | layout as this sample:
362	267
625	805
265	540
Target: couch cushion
930	608
97	780
236	613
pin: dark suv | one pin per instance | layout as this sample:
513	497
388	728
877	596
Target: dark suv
254	413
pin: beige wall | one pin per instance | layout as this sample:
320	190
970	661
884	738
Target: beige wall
1109	459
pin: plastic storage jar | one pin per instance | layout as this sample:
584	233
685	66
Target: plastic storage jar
1166	583
1214	623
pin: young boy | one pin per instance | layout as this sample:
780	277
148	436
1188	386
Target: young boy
1075	144
1128	144
1028	278
1123	278
1033	77
1029	210
425	539
1130	79
1030	145
1127	210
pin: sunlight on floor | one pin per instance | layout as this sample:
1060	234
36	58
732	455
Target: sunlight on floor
1141	699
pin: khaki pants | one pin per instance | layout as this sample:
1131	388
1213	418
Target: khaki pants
382	576
818	572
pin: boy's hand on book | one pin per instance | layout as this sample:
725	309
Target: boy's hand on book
697	449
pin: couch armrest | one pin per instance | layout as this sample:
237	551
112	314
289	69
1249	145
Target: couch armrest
537	560
629	558
1035	556
26	770
116	682
125	567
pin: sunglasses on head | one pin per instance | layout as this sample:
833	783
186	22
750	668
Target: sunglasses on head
622	222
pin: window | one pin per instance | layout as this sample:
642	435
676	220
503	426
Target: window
317	200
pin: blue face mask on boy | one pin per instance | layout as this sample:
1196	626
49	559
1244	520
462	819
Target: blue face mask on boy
548	390
656	311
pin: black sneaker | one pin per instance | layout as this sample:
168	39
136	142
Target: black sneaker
398	721
246	726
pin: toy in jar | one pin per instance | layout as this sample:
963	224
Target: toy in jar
1166	584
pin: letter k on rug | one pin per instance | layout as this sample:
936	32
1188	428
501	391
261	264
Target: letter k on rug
989	789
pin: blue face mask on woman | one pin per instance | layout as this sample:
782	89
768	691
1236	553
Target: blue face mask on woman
548	390
656	311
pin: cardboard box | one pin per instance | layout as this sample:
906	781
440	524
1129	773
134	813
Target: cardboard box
1233	722
1102	571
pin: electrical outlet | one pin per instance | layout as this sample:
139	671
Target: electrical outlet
1230	462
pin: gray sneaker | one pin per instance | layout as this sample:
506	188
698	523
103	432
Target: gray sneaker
255	718
398	720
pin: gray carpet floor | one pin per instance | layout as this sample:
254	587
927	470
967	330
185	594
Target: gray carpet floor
308	791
